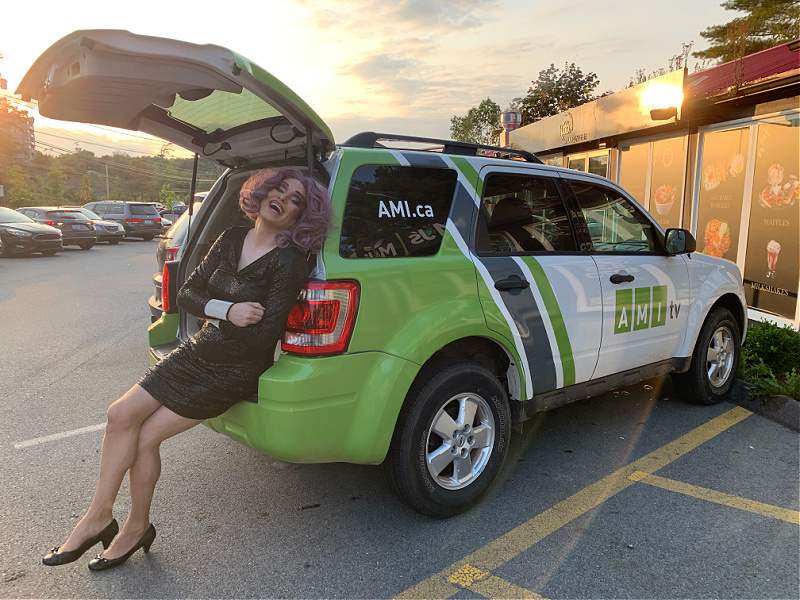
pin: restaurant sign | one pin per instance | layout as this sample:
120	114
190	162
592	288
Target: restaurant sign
625	111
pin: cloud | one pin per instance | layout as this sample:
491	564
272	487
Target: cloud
427	16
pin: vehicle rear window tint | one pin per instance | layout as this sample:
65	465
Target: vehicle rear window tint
115	209
394	211
143	209
66	215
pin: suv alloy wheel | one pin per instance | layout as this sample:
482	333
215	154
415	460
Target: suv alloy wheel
451	439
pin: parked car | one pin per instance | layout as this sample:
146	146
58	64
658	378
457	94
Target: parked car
107	231
22	235
138	219
76	229
168	249
458	293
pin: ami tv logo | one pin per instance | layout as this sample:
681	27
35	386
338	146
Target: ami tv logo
642	308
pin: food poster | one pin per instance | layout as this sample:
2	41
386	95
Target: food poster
666	181
772	265
722	179
633	171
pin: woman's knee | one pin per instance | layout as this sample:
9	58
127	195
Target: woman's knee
131	409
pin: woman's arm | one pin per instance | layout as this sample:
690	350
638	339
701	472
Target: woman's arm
193	297
287	281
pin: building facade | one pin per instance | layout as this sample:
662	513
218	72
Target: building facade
716	152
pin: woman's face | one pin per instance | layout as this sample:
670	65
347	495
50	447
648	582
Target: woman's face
284	204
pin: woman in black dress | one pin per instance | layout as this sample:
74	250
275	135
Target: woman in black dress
245	288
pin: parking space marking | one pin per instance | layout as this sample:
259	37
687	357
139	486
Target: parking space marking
58	436
759	508
490	586
524	536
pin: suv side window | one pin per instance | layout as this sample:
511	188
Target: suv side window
115	209
394	211
520	213
615	225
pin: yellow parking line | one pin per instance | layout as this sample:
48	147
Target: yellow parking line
490	586
523	537
759	508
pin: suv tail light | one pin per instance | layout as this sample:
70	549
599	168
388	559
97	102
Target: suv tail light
322	319
132	220
168	291
171	253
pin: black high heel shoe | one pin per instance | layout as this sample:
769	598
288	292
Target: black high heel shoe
100	563
55	558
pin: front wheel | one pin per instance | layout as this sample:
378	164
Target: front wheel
147	238
714	362
113	242
451	439
87	246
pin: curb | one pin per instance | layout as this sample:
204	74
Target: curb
780	409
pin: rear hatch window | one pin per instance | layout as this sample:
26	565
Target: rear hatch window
144	209
396	211
64	215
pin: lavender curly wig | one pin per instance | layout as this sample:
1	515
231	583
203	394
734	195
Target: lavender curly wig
313	226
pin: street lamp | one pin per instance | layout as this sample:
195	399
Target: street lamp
96	173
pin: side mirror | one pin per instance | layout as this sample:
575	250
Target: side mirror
679	241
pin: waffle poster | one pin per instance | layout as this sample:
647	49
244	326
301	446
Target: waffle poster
772	266
722	187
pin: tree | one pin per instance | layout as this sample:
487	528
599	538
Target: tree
86	193
18	192
11	120
481	125
167	197
556	91
766	24
53	186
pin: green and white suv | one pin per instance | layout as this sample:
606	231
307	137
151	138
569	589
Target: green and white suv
460	292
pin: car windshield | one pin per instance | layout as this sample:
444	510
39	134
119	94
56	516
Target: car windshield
11	216
66	215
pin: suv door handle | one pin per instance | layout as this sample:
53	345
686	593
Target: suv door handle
511	283
619	278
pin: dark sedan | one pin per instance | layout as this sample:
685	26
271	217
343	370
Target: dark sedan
107	231
75	228
22	235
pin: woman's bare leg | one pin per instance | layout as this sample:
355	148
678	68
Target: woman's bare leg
144	474
125	418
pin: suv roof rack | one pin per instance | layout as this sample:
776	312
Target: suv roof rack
369	139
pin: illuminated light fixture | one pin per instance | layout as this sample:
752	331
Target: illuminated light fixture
662	100
662	114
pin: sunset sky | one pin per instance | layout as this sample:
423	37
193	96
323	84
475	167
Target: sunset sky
402	66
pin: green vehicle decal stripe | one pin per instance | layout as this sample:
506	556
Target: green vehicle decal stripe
556	320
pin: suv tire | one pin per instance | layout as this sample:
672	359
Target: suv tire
87	245
714	362
147	238
456	415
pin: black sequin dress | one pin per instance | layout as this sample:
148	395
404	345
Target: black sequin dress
220	365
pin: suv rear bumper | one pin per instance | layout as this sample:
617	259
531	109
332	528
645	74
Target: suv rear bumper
313	410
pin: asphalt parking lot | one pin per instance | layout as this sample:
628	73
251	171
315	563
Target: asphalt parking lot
634	494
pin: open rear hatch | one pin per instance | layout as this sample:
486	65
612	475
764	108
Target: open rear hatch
203	98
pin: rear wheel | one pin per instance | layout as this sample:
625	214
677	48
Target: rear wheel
49	252
450	440
714	362
112	242
87	245
3	250
147	238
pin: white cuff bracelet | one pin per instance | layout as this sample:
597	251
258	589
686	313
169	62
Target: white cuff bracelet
218	309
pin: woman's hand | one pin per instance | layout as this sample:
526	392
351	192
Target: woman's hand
243	314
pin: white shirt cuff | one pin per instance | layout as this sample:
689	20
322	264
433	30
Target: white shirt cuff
218	309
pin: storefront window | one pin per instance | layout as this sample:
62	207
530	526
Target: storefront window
599	165
722	179
773	243
666	181
577	163
633	171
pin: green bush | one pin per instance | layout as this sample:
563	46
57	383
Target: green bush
771	359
